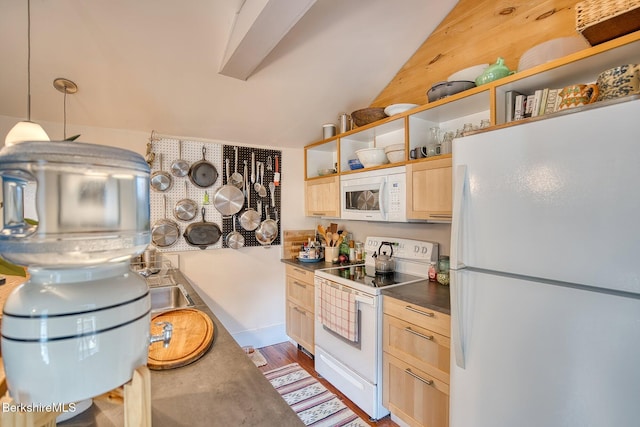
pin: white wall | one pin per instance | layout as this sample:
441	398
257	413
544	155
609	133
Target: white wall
246	288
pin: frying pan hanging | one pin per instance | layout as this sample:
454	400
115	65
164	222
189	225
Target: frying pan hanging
160	180
267	231
235	240
228	199
202	173
180	167
185	209
165	232
249	219
202	234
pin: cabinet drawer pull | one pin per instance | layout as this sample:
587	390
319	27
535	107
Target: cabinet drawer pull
415	310
304	313
418	377
426	337
302	285
440	215
317	213
300	271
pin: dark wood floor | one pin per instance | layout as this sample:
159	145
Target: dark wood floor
286	353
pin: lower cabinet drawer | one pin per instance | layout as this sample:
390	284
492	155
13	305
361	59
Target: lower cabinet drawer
300	292
300	324
414	396
420	347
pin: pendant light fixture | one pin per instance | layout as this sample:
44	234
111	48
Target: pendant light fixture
27	130
67	87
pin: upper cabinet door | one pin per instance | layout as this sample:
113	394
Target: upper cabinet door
322	197
429	190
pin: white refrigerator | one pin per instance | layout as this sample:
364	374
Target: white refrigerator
545	279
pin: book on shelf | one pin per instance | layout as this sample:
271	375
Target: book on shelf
518	111
537	101
543	101
552	99
510	105
528	106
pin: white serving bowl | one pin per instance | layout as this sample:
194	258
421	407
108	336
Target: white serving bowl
468	74
394	147
550	50
396	156
370	157
398	108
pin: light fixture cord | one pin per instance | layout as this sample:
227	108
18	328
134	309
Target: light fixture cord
29	60
64	109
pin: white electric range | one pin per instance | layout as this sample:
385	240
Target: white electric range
348	322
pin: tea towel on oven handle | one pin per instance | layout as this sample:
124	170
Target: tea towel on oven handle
339	311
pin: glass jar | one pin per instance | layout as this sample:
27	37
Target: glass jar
433	143
359	251
443	270
446	143
443	263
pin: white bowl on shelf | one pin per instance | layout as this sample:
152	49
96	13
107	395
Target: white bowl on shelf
468	74
394	147
370	157
550	50
394	109
396	156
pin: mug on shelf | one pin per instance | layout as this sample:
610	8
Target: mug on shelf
619	81
418	152
577	95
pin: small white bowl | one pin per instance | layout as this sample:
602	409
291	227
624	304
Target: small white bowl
396	156
370	157
468	74
394	147
394	109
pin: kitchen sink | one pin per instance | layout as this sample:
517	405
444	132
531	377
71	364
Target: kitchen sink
169	298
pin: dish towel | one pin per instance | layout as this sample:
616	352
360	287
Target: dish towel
339	311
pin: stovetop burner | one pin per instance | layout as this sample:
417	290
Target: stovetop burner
366	275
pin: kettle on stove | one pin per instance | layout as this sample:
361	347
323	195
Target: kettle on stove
384	263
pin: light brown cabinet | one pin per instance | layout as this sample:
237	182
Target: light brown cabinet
429	195
300	307
429	180
322	197
416	357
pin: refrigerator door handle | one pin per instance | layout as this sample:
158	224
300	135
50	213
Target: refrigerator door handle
456	288
458	198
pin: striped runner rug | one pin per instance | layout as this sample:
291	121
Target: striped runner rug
315	405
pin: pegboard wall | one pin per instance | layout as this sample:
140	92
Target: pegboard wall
167	150
261	155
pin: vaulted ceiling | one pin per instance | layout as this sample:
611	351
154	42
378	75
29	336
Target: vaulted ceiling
155	64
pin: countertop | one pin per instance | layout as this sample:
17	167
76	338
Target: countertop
431	295
222	388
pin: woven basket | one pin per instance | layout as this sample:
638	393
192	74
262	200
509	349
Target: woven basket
367	115
601	20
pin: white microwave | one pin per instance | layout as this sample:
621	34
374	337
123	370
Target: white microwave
378	195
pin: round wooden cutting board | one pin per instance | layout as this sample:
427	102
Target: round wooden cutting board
192	337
